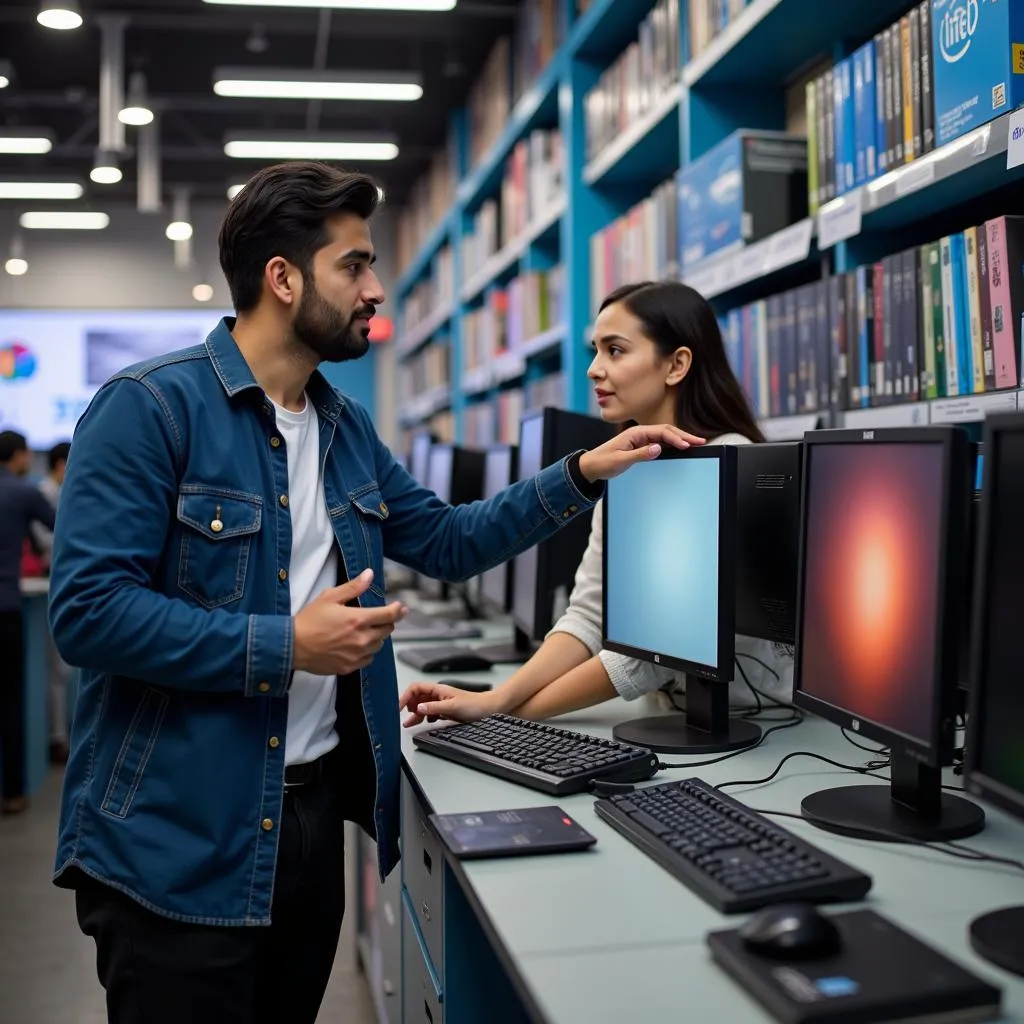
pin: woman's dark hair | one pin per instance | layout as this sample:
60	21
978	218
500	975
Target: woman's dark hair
281	211
709	401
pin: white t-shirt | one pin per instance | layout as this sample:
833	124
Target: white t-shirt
312	569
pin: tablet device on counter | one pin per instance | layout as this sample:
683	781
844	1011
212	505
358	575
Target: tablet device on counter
512	833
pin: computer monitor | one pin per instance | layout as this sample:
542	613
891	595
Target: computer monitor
995	739
501	468
767	539
543	575
882	567
455	475
669	590
964	615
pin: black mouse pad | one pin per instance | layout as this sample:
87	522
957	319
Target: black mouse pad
882	973
512	833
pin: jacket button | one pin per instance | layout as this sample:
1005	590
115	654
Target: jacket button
284	500
216	526
274	743
383	510
282	574
573	509
566	514
267	824
275	442
264	687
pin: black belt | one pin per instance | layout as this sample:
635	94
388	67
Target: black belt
305	774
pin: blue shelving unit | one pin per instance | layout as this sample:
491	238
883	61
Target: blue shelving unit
739	81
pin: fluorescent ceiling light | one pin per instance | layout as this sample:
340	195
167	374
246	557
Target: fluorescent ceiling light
40	190
350	5
179	231
202	293
16	266
6	73
24	141
295	84
303	146
59	14
106	174
67	220
137	116
233	190
4	81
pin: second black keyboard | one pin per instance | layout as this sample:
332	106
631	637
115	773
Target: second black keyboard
540	756
732	857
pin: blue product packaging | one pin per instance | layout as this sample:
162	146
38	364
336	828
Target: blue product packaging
978	58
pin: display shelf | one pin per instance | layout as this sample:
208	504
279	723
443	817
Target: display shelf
772	39
510	365
505	258
962	409
425	405
416	338
538	101
725	272
645	149
606	28
421	261
911	414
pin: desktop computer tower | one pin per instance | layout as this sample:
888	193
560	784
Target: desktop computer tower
543	576
768	539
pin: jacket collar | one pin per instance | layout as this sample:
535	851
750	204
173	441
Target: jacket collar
236	378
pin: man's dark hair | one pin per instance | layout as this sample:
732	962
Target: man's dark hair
58	453
11	442
281	211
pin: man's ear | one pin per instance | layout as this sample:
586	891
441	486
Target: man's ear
679	365
283	280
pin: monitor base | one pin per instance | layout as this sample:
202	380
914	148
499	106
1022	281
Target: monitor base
998	937
672	734
862	812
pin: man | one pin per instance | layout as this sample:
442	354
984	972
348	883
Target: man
218	578
21	506
60	671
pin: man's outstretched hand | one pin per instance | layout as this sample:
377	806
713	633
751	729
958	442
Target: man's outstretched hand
638	444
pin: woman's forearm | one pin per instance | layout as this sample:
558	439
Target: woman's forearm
580	687
560	653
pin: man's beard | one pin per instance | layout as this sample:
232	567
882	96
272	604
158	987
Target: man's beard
332	336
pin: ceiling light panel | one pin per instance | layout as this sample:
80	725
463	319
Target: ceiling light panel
296	84
25	141
63	220
40	190
417	6
302	146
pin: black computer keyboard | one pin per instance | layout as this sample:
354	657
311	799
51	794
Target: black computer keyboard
540	756
730	856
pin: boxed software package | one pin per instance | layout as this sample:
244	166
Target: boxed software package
978	58
748	186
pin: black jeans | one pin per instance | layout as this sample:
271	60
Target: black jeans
12	704
158	970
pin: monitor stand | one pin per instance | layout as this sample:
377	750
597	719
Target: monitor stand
912	807
998	937
705	728
516	653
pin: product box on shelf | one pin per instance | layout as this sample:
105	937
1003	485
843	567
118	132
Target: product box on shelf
978	55
748	186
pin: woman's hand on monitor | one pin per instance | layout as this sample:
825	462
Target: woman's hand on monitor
637	444
430	702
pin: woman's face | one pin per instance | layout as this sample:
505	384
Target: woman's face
632	380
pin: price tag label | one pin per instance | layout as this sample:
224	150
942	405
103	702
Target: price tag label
751	263
706	280
791	245
1015	140
840	219
915	176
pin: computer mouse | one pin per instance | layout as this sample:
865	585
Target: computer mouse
791	931
472	685
457	662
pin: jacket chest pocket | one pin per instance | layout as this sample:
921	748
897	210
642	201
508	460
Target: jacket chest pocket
217	529
371	512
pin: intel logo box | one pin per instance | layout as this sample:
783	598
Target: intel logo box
750	185
978	50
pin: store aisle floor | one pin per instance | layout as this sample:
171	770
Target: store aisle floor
47	968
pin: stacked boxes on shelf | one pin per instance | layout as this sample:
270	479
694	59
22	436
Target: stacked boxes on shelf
431	199
749	186
944	68
429	296
942	320
641	246
709	18
637	80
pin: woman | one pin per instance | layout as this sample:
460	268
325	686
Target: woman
659	358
